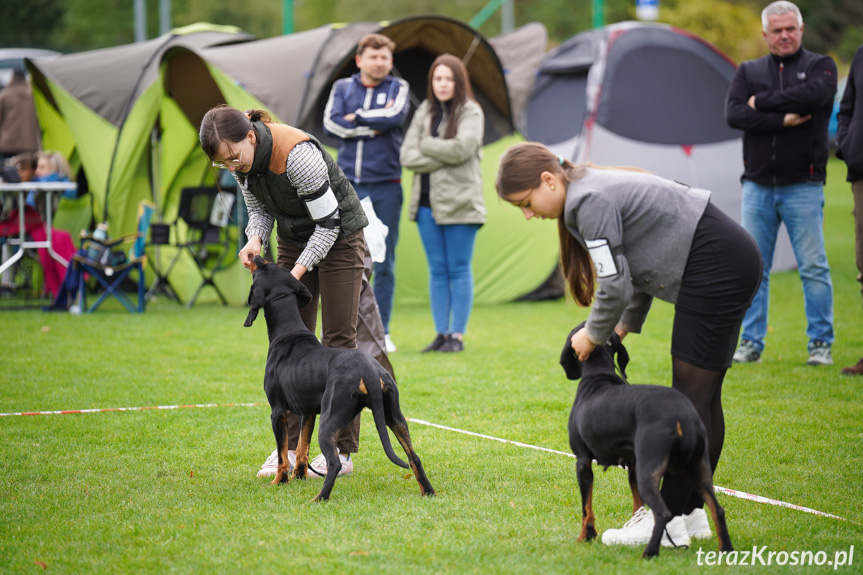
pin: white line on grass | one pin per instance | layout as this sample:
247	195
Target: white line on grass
717	488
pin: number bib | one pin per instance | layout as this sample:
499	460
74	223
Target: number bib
603	260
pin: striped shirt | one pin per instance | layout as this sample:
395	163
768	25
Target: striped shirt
307	172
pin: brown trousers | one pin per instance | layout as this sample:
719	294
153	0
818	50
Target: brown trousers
336	283
857	190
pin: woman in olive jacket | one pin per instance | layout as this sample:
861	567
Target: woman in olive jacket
443	146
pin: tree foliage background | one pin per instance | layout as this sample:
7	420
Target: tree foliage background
832	26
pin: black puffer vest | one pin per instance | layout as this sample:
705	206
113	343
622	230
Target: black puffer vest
270	185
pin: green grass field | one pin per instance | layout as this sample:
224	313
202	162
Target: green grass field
175	490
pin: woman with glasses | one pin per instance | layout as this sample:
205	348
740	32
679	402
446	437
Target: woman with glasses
289	181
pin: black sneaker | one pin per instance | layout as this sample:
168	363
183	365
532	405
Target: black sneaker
452	344
436	344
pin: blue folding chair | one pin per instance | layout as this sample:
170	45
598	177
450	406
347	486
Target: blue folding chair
110	265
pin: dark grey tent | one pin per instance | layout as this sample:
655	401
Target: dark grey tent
419	40
645	95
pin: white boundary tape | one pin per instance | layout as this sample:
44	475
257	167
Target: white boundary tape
717	488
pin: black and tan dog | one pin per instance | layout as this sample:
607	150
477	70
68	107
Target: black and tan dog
308	379
648	428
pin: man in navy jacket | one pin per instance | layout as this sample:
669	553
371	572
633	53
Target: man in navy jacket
366	112
782	102
849	147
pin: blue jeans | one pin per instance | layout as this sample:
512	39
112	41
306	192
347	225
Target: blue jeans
449	251
801	208
387	200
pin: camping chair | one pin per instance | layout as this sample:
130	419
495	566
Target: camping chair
160	236
111	265
205	212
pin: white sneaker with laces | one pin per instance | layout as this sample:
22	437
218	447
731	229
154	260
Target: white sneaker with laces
271	465
819	353
697	526
391	347
638	530
318	466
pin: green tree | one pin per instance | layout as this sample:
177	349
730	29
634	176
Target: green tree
734	29
29	24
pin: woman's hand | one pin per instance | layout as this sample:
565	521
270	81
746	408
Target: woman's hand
250	250
620	331
582	345
298	271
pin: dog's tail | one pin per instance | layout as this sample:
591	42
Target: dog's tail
376	404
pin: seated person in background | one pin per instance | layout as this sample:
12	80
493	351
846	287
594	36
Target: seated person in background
50	167
26	165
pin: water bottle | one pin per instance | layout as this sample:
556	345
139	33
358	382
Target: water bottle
101	234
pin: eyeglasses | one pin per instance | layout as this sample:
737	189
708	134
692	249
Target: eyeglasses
236	162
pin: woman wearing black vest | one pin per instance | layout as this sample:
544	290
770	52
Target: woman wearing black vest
290	181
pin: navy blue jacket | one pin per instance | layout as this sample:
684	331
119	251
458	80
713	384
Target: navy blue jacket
849	133
370	145
804	83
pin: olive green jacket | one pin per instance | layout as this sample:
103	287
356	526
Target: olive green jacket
453	165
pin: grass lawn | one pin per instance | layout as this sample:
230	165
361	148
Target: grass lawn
175	490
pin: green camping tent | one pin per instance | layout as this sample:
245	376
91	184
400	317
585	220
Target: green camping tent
129	117
99	108
512	257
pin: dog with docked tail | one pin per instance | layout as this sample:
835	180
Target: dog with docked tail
308	379
650	429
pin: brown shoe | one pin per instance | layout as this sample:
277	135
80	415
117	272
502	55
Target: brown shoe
854	369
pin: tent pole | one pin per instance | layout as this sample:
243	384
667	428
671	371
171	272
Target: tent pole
287	16
140	20
598	13
484	13
164	16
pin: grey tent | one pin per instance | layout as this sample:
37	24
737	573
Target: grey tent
291	76
520	53
98	108
645	95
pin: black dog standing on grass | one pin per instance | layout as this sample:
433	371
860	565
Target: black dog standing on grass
648	428
306	378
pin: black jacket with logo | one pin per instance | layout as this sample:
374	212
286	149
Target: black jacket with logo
805	84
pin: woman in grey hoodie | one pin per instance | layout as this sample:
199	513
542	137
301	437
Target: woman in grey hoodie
626	237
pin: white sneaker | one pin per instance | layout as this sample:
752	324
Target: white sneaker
318	466
271	465
639	529
697	526
391	347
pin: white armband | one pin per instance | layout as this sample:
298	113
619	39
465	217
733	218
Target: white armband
322	204
603	260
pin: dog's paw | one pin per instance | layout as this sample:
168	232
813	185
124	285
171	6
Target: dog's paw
300	472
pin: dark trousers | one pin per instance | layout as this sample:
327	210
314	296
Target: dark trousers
335	282
857	190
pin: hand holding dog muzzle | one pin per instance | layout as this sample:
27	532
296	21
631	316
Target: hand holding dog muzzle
582	345
249	251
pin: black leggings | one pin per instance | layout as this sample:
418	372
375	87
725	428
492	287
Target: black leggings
722	275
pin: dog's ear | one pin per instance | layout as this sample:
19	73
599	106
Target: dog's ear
255	304
304	296
568	359
622	354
